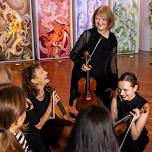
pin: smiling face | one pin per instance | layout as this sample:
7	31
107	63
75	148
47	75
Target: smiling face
40	76
103	18
126	90
101	22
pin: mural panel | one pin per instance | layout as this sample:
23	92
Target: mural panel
53	28
126	25
16	41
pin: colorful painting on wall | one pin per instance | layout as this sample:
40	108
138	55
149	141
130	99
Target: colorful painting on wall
83	10
16	41
126	25
53	28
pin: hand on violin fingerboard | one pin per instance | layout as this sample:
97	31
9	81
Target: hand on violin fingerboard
56	98
137	112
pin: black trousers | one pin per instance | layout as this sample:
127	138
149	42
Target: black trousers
35	140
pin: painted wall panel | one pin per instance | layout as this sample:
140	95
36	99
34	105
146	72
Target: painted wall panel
53	28
145	31
16	36
127	25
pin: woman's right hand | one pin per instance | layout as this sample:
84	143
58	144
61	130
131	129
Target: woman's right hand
86	67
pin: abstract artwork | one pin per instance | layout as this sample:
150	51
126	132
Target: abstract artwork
126	25
16	41
54	38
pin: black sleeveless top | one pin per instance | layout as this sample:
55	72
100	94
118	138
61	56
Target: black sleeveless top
124	109
34	115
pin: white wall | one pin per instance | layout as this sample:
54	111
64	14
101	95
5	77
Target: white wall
144	27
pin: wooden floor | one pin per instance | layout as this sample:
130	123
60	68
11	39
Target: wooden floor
60	75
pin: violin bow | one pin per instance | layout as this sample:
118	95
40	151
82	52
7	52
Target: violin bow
94	50
126	133
142	110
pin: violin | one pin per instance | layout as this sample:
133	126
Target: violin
142	110
62	110
122	125
86	87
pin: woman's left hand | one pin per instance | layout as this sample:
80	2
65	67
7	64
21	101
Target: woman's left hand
135	114
56	97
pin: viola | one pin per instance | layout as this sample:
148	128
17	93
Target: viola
122	125
62	110
142	110
86	87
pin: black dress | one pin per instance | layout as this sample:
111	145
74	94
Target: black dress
104	63
123	109
33	117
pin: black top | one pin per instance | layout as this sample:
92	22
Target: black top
124	108
39	107
103	60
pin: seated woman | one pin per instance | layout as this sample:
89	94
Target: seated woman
93	131
40	97
12	116
128	100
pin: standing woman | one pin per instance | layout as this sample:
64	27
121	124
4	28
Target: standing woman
128	100
103	63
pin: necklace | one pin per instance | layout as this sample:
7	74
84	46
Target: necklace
104	33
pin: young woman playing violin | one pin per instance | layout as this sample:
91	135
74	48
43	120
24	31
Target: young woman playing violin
40	97
103	62
129	101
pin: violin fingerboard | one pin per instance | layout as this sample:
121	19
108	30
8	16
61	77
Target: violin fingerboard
62	108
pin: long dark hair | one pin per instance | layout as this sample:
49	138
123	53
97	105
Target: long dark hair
28	74
93	131
12	106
